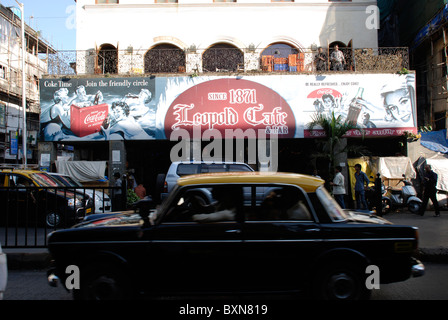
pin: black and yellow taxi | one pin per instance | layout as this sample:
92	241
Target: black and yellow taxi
34	198
296	239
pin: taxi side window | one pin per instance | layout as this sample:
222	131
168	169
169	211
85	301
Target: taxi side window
206	205
20	181
285	203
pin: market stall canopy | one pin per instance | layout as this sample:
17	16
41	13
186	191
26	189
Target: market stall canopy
395	167
82	171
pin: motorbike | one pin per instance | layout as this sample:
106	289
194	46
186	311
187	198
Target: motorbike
405	196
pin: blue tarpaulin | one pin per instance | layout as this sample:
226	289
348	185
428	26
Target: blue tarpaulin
435	141
432	26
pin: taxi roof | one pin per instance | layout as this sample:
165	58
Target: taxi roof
21	171
308	183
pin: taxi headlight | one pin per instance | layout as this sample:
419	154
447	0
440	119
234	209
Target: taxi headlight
75	202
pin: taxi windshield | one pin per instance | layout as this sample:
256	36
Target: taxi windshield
66	181
333	209
44	180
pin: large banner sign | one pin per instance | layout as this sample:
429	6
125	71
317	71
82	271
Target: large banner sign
155	108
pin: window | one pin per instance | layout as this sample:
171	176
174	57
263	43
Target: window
279	203
165	57
217	203
222	57
2	72
185	169
107	60
105	1
331	206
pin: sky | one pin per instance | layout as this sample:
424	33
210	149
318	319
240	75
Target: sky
54	18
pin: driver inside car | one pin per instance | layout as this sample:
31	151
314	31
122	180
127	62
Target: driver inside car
228	199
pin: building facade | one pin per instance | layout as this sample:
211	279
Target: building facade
421	26
132	28
202	68
11	112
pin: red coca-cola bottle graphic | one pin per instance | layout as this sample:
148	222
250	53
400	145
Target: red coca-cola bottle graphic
355	107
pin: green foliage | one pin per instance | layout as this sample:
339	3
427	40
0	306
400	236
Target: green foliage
335	129
131	197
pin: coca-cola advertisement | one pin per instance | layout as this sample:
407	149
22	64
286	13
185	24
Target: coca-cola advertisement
283	105
97	109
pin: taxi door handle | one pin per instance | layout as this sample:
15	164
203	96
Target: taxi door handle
313	230
233	231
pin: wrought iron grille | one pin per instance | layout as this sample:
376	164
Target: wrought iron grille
125	62
165	60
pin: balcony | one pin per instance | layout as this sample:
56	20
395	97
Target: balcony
194	61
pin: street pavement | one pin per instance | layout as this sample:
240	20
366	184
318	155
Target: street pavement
433	233
433	241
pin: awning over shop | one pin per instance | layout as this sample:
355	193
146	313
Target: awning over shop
83	171
435	141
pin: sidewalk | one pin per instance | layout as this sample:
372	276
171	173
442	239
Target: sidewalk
433	241
433	233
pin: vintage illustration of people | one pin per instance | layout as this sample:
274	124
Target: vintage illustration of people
134	112
393	106
130	116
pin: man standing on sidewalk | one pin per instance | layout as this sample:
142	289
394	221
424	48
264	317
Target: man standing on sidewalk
430	191
339	187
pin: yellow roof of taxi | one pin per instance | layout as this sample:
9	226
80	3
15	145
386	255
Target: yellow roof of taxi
308	183
21	171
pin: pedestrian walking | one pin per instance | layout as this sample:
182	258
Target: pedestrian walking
362	183
430	191
338	184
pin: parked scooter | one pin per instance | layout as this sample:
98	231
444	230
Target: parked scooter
406	196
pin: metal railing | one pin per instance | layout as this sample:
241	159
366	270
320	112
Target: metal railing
28	214
154	61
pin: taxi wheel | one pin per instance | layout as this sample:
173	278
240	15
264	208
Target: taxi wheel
340	281
102	282
53	219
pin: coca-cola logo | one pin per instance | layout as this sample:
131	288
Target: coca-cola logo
95	116
231	104
317	94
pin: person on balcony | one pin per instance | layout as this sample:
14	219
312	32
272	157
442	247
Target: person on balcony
320	60
337	59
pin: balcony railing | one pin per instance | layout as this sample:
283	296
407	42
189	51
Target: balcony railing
232	60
